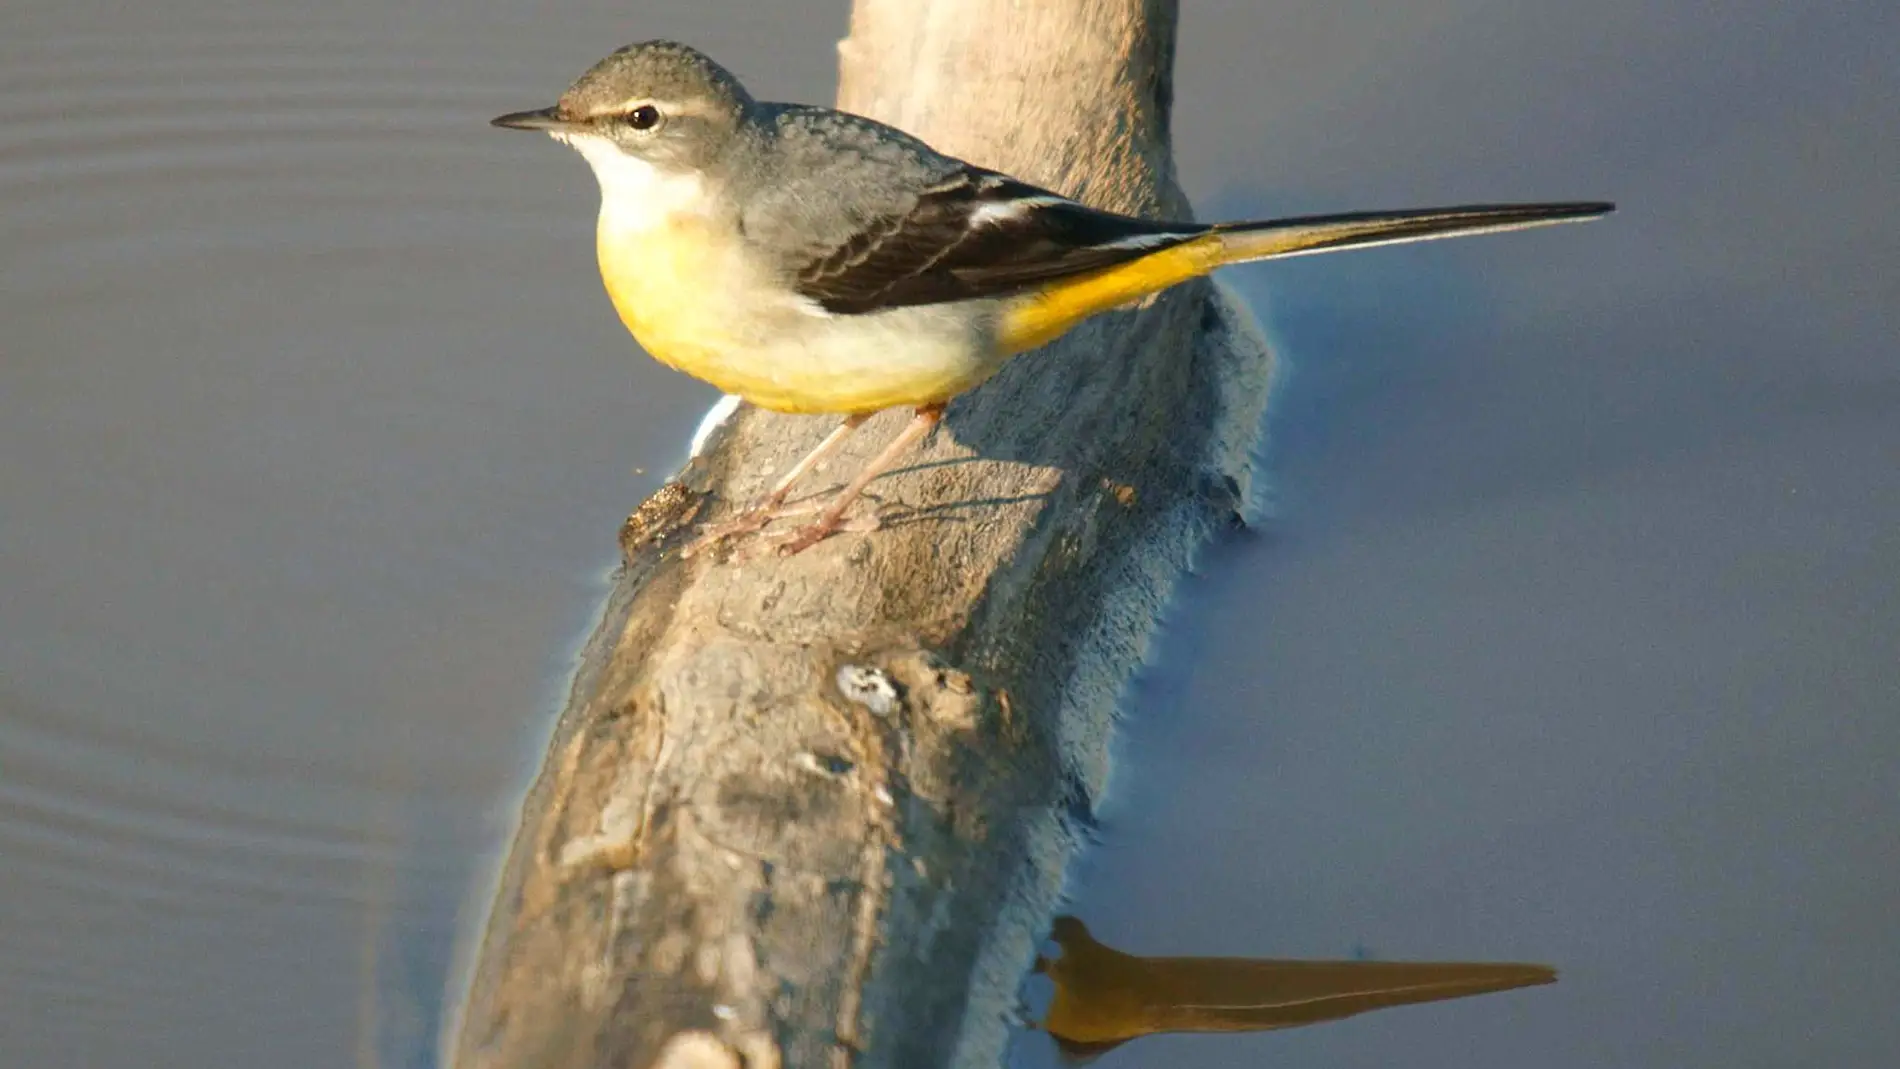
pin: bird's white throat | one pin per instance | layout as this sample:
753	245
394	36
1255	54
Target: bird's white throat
634	194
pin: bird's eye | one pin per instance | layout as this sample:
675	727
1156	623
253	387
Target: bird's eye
644	117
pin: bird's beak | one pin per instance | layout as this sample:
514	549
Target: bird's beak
547	120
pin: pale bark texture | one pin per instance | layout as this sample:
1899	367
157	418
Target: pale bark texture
816	811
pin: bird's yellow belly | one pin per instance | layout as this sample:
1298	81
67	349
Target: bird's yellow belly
660	283
692	303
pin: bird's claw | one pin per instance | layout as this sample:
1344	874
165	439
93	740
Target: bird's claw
752	519
783	543
800	539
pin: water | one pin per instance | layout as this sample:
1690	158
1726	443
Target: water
1569	640
308	494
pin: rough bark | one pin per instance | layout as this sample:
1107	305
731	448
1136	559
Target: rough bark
816	811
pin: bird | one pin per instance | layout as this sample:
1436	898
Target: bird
810	260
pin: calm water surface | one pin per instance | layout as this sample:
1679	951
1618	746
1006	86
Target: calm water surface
1569	638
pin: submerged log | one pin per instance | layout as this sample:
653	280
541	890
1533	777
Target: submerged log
816	811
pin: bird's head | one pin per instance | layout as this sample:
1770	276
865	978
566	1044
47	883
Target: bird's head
652	112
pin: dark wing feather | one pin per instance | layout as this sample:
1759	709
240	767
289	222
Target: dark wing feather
976	234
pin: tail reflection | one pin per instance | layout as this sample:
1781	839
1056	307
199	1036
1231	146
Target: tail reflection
1104	998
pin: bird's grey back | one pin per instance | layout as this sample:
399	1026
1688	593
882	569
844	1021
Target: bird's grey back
817	178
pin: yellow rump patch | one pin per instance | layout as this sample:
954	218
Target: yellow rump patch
1045	315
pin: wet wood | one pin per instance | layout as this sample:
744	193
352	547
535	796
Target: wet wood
815	811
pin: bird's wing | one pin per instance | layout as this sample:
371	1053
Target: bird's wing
974	233
860	216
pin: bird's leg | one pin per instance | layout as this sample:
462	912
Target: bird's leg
922	423
760	512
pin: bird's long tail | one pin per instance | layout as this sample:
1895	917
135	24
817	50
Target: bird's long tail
1045	314
1243	242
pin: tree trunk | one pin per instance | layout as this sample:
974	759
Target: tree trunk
816	811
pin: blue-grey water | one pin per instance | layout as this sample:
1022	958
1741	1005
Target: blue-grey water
1569	636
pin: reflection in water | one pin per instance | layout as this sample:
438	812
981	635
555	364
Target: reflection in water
315	433
1104	998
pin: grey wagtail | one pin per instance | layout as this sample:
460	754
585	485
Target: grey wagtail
810	260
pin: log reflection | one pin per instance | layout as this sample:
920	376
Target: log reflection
1104	998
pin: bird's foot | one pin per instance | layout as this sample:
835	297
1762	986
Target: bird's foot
761	516
752	519
802	538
